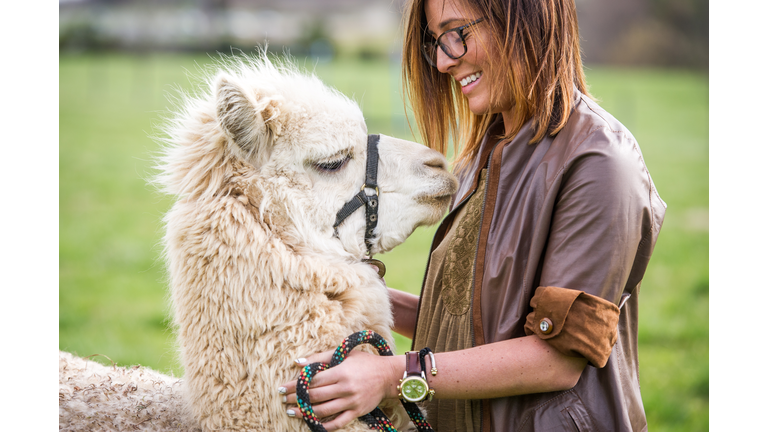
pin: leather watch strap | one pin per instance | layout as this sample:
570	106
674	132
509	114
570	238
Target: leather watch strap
412	366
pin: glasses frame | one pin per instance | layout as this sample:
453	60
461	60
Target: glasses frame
433	45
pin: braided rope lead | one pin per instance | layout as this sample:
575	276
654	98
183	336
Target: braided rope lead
375	419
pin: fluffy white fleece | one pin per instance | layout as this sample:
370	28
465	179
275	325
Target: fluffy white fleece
95	397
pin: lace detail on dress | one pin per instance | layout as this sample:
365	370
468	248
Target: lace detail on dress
460	257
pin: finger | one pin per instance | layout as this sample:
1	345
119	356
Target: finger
287	388
320	379
316	395
330	408
291	398
323	357
293	411
340	421
287	391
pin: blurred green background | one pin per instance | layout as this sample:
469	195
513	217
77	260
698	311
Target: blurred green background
122	61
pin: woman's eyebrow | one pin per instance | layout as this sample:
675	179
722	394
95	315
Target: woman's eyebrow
447	24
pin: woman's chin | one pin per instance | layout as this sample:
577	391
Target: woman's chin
478	108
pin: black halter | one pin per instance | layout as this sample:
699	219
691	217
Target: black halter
371	202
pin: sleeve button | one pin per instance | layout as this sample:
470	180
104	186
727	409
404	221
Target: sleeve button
546	326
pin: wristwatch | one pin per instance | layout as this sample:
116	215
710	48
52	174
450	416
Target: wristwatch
413	387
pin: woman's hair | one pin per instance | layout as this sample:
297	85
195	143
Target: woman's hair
536	43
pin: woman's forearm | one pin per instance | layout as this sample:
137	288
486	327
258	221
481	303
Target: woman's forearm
404	308
508	368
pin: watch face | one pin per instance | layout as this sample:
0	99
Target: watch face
414	389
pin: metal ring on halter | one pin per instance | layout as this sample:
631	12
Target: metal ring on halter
374	187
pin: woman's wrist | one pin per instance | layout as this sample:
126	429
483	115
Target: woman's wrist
394	374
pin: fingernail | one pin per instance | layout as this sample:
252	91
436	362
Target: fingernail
285	399
291	413
301	361
281	390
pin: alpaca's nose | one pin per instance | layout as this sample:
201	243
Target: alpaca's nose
435	160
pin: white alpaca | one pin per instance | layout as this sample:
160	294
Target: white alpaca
260	165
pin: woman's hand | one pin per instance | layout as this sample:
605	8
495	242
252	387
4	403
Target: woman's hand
351	389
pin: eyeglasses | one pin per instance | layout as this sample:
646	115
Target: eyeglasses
452	42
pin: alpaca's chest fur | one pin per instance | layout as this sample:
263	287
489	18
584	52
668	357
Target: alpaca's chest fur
246	305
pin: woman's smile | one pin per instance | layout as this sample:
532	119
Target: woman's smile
469	82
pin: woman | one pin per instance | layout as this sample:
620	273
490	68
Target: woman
531	296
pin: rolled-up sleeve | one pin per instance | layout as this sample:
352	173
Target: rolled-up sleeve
575	323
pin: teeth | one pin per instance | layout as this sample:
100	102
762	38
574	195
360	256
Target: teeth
469	79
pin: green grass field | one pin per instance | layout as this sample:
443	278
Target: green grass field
112	283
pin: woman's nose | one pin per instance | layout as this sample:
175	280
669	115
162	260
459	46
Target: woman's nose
445	63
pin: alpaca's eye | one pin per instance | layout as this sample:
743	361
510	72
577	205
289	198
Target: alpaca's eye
332	166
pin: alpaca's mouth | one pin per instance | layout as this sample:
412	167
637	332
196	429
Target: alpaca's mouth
443	199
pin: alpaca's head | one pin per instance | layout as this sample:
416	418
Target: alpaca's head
297	150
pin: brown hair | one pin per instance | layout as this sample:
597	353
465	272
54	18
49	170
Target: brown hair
537	44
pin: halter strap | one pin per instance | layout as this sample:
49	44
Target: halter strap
371	202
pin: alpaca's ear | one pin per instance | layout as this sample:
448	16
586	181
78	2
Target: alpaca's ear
251	121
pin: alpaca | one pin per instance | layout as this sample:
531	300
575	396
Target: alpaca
260	165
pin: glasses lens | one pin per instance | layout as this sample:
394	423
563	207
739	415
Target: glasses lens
452	44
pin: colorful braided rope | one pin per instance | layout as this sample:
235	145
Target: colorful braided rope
375	419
